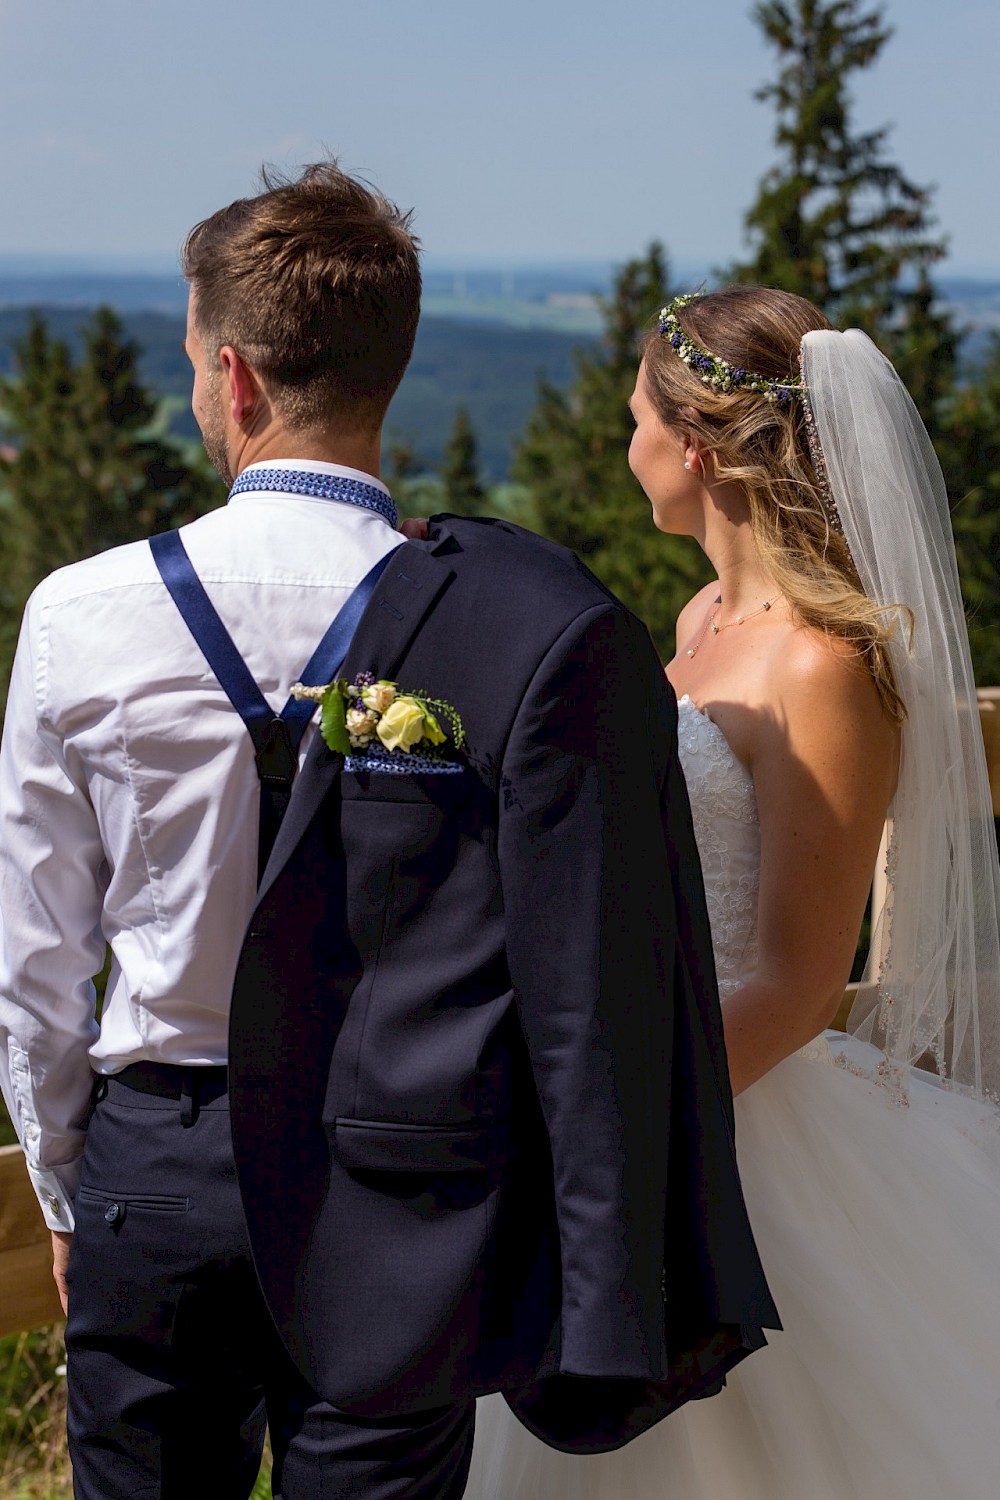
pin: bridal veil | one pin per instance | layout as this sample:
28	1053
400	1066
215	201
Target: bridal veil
935	953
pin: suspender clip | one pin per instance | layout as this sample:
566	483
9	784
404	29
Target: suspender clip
276	761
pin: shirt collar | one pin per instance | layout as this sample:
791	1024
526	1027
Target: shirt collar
308	466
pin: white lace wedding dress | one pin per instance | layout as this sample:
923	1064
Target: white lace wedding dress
879	1229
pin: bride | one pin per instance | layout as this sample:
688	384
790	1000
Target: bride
826	703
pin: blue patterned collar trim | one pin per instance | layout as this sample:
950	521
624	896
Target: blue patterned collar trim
318	487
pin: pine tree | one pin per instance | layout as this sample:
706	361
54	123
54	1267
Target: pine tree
838	223
573	462
415	490
402	465
834	220
86	471
464	492
968	444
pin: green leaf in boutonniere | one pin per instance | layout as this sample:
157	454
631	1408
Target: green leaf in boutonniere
432	729
333	720
435	733
332	700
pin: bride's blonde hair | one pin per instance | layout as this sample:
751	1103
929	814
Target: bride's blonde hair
763	445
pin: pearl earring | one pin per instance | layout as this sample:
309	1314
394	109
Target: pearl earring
687	463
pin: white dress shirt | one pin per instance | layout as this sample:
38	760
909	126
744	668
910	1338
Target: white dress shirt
129	802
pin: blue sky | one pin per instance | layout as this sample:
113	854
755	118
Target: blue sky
530	130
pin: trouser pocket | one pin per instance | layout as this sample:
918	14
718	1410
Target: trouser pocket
115	1207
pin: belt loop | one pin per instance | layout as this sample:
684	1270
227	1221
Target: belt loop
98	1092
189	1098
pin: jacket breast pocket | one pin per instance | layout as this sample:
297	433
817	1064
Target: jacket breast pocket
416	901
403	837
389	1146
447	791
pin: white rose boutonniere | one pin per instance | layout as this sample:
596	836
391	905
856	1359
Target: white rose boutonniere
402	725
354	715
379	697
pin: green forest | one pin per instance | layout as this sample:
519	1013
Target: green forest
491	369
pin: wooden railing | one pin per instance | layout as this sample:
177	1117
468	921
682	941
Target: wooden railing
27	1293
989	718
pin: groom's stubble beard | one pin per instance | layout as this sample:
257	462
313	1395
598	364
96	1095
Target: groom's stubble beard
213	429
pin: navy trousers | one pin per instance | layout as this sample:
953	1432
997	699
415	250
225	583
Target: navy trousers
173	1365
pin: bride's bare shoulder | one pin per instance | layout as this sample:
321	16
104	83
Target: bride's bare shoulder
826	701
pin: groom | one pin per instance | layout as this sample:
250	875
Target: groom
480	1116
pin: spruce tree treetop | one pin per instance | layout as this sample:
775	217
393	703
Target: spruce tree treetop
840	224
835	220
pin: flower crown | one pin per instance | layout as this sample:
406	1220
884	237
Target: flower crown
713	369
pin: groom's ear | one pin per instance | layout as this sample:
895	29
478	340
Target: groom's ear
245	392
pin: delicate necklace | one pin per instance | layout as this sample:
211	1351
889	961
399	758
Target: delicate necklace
713	620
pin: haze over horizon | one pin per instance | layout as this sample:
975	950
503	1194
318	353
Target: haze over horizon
159	266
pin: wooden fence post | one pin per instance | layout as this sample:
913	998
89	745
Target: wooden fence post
989	718
28	1297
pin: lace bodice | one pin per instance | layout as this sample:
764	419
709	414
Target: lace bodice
724	808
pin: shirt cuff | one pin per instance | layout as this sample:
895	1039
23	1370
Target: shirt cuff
56	1190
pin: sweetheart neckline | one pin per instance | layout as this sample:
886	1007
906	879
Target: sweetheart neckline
686	698
707	719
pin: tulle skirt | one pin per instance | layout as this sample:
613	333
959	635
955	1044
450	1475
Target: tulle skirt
879	1228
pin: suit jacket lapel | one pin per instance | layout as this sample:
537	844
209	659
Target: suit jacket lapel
411	585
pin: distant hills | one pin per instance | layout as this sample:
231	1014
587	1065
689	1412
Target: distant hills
486	338
492	370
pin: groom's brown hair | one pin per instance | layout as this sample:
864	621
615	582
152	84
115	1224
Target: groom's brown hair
316	285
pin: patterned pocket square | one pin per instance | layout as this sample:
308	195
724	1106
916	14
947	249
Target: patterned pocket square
400	763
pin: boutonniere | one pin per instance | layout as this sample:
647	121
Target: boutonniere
355	715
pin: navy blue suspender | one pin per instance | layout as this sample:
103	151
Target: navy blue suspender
276	737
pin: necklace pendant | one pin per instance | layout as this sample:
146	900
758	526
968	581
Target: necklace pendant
739	619
692	650
715	628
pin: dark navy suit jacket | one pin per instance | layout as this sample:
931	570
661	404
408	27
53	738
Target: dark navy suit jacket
481	1112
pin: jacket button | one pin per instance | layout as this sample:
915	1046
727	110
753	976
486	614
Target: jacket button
111	1212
